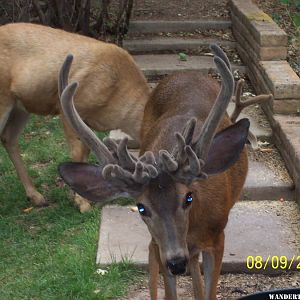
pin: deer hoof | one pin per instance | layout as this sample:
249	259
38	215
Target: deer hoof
83	204
38	200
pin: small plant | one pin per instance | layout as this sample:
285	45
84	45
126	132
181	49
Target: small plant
290	4
182	56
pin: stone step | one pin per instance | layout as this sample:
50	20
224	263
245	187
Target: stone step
159	44
162	64
267	229
156	26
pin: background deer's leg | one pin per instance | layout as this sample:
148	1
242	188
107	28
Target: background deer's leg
196	277
9	136
153	269
79	153
5	110
212	263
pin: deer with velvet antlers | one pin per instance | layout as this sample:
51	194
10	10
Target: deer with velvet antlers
191	170
112	94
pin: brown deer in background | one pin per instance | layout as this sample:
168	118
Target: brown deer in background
112	94
186	179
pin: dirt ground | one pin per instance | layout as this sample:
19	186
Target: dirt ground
230	287
179	9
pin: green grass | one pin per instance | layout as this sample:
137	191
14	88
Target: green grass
50	253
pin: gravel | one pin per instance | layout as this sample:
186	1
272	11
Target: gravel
230	286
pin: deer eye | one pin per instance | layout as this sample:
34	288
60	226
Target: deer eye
188	200
141	209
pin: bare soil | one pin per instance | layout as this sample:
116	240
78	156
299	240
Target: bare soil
179	9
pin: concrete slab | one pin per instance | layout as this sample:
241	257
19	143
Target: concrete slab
176	44
162	64
262	183
264	228
156	26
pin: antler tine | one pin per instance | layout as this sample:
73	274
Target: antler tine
218	52
125	159
64	73
218	110
85	133
184	139
168	163
240	105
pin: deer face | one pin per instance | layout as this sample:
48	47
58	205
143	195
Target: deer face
164	207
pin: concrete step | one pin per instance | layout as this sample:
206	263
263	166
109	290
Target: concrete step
263	182
267	229
158	44
156	26
163	64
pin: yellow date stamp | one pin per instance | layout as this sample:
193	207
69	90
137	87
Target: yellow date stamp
274	262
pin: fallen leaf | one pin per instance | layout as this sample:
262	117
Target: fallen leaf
28	209
266	150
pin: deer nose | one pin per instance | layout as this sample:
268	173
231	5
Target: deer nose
177	265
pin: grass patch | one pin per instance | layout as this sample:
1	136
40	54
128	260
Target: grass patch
50	253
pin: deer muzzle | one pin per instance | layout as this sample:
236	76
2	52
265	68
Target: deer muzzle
177	265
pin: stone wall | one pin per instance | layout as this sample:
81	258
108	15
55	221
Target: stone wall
262	46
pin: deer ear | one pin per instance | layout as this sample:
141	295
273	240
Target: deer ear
226	147
87	180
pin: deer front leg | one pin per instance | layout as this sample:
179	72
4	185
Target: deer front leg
9	137
153	270
79	153
169	280
170	285
212	263
196	277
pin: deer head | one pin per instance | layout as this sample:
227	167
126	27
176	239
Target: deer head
161	182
